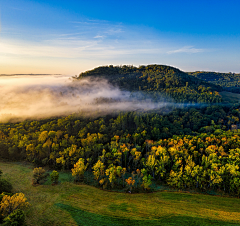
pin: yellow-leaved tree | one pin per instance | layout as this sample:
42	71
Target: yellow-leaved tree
11	203
79	169
98	170
111	173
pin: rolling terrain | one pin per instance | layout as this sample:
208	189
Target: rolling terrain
192	147
71	204
229	81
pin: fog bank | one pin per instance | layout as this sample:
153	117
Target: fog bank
36	97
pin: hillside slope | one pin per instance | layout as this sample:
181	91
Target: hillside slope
229	81
155	79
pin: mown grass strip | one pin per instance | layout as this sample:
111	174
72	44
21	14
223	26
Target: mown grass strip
87	218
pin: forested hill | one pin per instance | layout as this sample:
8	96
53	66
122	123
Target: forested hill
229	81
155	79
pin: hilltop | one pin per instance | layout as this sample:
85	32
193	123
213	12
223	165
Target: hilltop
155	79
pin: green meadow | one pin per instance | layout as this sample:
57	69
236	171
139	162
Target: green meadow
72	204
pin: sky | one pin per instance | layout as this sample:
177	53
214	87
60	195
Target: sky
69	37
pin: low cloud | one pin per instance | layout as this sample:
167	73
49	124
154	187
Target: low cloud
36	97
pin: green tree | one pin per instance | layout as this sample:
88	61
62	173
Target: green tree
146	179
39	174
16	218
54	177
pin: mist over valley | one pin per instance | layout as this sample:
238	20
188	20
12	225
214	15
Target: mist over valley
36	97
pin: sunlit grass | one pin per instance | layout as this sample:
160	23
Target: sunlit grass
71	204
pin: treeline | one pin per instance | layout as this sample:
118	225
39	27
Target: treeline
155	79
180	148
46	142
203	162
229	81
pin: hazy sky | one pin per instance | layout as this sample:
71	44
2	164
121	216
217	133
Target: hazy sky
68	37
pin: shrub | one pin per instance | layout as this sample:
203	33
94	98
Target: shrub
147	181
5	186
54	176
16	218
38	175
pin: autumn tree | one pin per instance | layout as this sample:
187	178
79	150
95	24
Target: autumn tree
98	170
79	169
130	184
12	203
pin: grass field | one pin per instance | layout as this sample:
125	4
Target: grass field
71	204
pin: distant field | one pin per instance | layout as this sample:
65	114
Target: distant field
71	204
230	97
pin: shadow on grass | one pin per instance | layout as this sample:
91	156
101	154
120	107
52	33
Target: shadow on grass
85	218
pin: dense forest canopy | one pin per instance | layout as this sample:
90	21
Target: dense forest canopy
168	81
229	81
181	137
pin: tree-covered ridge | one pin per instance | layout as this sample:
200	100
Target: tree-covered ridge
162	79
230	81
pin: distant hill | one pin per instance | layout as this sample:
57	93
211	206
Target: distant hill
155	79
229	81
